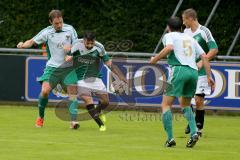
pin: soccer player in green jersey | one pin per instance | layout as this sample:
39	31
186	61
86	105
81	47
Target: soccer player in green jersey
87	56
55	36
205	39
181	51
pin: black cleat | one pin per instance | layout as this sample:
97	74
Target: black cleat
187	130
192	141
170	143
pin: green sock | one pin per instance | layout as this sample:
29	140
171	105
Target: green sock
42	102
73	105
188	114
167	123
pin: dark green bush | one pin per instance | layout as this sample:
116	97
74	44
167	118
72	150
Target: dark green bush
141	21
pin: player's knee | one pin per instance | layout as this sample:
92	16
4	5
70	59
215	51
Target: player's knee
45	92
199	102
164	103
165	106
72	89
199	106
104	104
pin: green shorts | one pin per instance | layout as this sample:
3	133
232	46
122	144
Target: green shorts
183	82
63	76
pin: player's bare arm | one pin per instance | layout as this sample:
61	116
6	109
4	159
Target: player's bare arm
163	53
27	44
210	55
207	67
115	70
67	49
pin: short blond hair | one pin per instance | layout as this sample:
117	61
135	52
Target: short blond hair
190	13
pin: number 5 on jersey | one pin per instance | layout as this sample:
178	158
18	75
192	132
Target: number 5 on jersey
187	47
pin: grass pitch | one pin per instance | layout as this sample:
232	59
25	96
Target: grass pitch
129	136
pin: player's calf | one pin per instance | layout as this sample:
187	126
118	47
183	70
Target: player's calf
94	114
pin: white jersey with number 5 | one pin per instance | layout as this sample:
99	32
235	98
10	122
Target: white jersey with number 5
185	49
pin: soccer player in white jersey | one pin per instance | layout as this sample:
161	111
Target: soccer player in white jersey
181	51
87	56
205	39
55	36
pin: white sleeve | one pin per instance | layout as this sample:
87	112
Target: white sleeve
103	51
101	48
208	34
74	36
168	40
41	37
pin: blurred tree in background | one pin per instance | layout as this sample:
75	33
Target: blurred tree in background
140	21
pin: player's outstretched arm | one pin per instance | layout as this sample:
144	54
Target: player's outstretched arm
163	53
115	70
27	44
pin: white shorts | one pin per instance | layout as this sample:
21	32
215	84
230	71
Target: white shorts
202	86
91	86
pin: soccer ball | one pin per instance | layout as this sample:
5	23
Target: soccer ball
59	91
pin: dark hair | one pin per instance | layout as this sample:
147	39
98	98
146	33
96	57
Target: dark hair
54	14
88	35
190	13
175	23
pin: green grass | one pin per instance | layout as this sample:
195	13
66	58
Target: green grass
134	139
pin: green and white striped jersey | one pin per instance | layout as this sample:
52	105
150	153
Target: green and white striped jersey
205	39
203	36
55	42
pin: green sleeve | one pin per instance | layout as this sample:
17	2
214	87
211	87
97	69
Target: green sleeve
212	45
105	57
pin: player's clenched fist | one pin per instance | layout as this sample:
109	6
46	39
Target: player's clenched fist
20	45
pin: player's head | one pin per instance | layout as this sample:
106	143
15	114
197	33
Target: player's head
174	24
89	39
55	18
189	16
